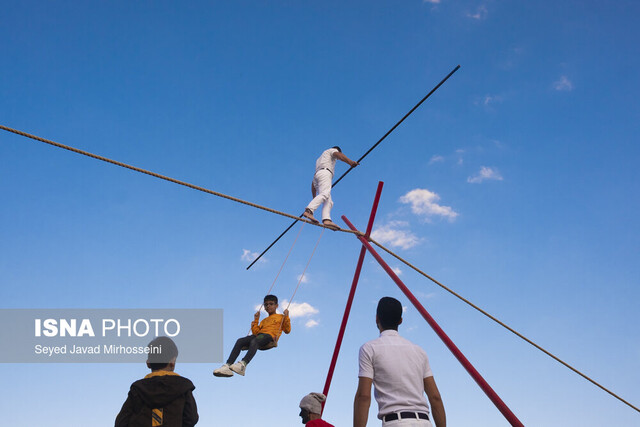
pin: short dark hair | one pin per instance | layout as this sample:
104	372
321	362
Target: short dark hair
161	351
389	313
337	148
271	298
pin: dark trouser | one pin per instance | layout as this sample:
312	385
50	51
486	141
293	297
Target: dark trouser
253	342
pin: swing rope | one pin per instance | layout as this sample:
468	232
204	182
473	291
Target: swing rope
300	281
282	266
280	271
304	271
274	343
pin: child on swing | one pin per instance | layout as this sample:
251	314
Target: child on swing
262	335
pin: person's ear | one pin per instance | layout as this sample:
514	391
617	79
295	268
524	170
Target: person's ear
171	366
148	365
400	322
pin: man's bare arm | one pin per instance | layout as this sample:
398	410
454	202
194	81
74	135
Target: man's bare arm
338	155
362	402
435	401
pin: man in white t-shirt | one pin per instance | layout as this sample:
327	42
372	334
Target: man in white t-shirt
400	373
321	185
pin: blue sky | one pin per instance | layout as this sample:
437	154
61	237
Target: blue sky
515	185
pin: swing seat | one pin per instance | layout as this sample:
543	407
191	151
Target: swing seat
269	346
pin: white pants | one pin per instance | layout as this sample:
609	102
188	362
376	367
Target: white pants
322	184
407	422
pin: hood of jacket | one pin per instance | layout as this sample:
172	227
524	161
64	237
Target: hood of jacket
160	390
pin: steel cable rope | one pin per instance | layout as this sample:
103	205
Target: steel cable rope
166	178
361	158
408	264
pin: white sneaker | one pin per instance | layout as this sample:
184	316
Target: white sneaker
223	371
239	367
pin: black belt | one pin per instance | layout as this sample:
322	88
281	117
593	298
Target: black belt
402	415
326	169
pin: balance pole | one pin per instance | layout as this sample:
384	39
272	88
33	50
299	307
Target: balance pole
363	156
502	407
352	293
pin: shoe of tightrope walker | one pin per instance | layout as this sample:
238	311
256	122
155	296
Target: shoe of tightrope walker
309	215
223	371
239	367
330	224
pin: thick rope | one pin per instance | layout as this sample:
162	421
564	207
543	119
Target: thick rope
215	193
501	323
166	178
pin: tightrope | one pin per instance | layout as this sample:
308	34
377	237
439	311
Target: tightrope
255	205
518	334
166	178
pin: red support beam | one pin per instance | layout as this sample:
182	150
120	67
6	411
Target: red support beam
352	293
502	407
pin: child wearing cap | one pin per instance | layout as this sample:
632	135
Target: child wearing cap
162	398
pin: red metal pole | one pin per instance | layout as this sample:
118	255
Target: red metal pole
502	407
352	293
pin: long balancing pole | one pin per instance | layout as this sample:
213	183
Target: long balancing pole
352	293
363	156
502	407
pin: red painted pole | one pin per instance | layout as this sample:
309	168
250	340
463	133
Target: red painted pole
352	293
502	407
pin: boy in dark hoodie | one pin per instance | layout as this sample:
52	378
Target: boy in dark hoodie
162	398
